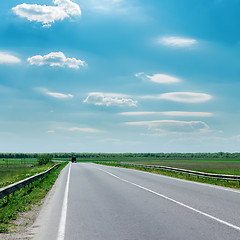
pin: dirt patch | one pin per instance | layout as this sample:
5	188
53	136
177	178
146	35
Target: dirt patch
19	228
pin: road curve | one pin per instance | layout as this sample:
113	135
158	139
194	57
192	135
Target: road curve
95	202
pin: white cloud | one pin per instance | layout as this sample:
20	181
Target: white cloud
86	130
51	131
159	78
113	95
172	126
170	113
56	59
68	6
59	95
176	41
8	58
139	113
109	99
187	114
55	95
184	97
48	14
66	127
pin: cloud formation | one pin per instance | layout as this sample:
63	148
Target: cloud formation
176	41
85	130
109	99
172	126
48	14
51	131
55	94
183	97
138	113
186	97
159	78
8	58
56	59
170	113
187	114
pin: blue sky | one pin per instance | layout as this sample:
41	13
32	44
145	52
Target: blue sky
119	76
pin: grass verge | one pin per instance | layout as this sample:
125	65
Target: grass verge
25	198
16	172
223	183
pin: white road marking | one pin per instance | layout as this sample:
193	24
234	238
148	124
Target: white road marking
179	179
62	223
177	202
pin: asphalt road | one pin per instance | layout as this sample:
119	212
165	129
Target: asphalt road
94	202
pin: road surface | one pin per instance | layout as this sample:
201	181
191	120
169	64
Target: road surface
95	202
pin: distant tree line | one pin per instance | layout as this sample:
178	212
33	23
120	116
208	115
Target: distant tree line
219	155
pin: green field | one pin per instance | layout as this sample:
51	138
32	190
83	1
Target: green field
221	166
230	168
23	199
13	170
207	163
211	166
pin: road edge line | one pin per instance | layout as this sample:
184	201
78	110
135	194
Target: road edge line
176	202
62	222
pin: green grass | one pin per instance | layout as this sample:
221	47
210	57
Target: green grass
17	170
217	165
230	168
221	166
227	167
23	199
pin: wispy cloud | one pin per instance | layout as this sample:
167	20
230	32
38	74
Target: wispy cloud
107	6
109	99
55	94
8	58
56	59
184	97
159	78
51	131
187	114
176	41
48	14
139	113
172	126
85	130
170	113
61	127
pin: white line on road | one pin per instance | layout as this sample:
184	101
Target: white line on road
179	179
174	201
62	223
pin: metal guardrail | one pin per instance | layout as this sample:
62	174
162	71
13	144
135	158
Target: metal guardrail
5	191
189	172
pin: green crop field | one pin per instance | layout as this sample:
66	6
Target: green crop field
13	170
205	165
211	168
229	166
